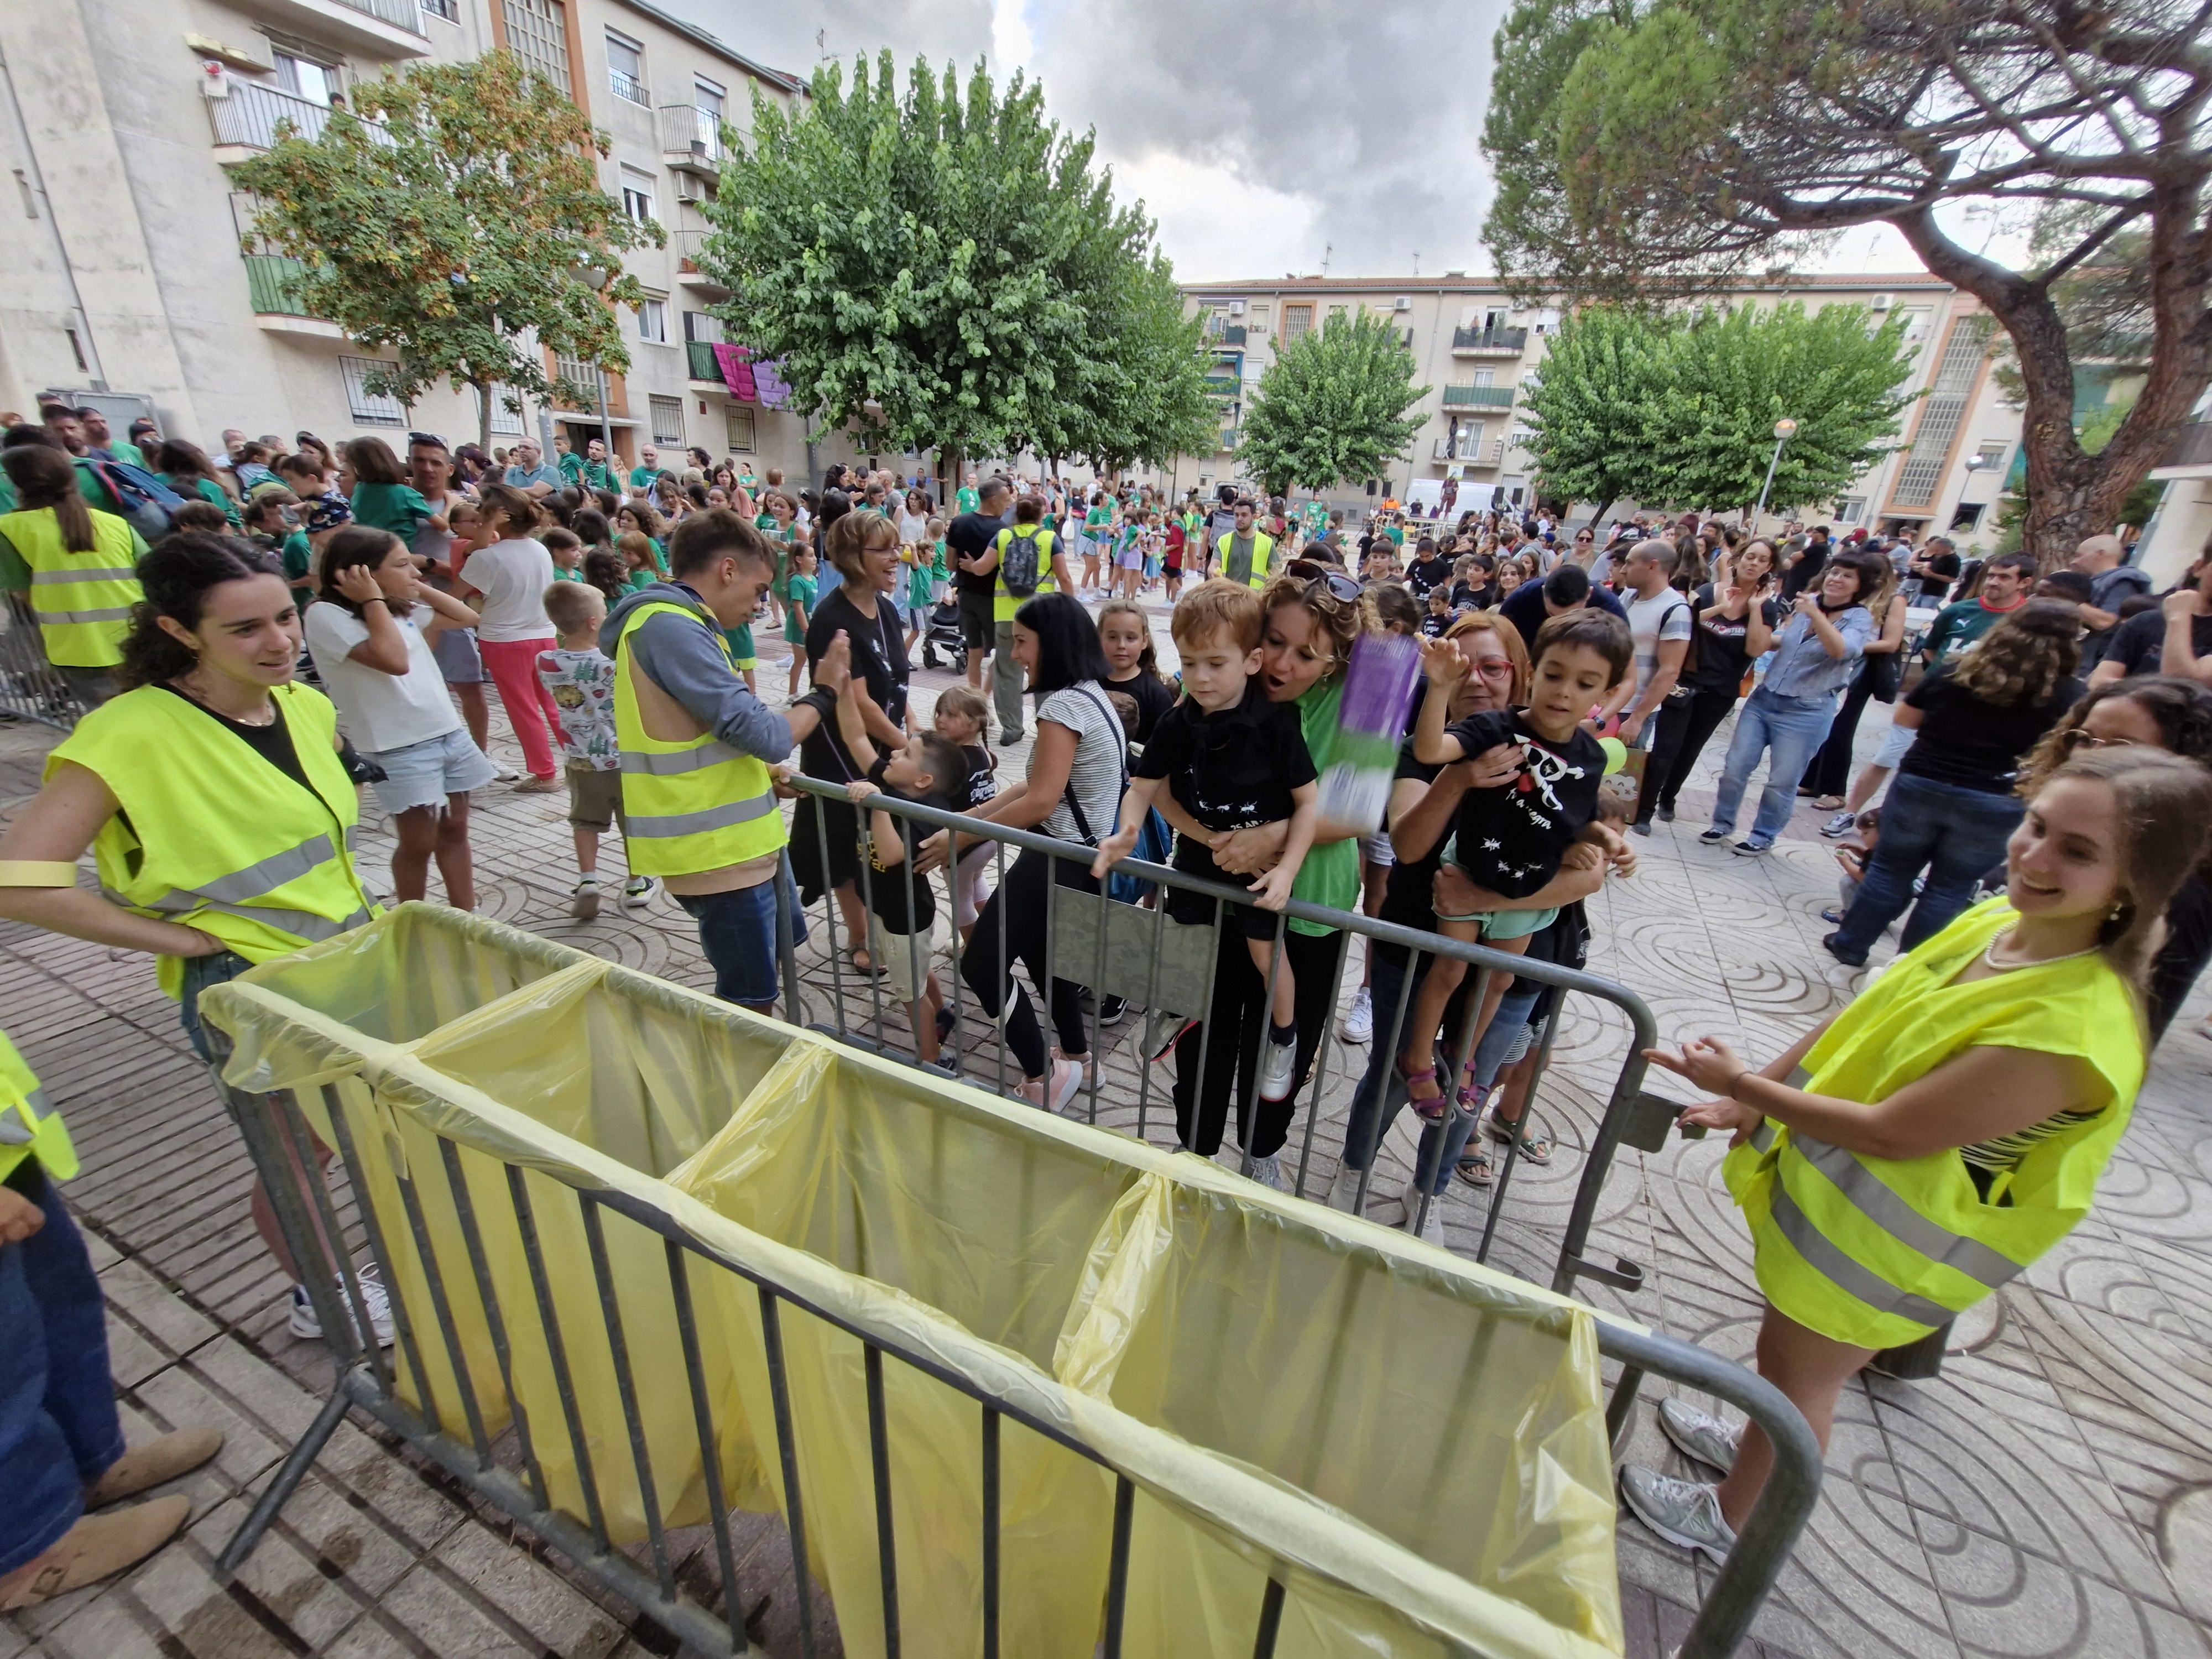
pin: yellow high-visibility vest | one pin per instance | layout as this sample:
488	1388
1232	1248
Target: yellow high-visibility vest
1878	1252
28	1127
1263	557
1005	604
693	803
213	836
83	601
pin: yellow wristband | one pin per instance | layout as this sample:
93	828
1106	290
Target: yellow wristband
36	872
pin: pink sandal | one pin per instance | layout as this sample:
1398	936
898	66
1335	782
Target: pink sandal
1431	1108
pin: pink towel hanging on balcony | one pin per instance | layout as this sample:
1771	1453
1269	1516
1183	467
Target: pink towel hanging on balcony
735	363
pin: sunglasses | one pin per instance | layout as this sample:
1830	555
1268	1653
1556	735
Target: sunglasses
431	438
2082	737
1340	587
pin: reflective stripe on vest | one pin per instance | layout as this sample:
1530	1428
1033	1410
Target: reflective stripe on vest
1886	1210
81	601
29	1128
693	804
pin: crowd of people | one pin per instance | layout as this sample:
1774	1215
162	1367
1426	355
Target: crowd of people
295	622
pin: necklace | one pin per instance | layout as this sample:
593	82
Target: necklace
1990	955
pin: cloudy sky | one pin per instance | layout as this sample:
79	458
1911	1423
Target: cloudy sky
1264	139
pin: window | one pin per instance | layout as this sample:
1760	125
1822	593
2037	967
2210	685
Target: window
1992	456
667	419
709	100
366	408
450	11
637	196
1547	320
652	321
1298	323
1484	377
506	422
702	327
538	34
1850	509
626	67
1916	319
1260	311
1967	517
1956	372
741	431
303	77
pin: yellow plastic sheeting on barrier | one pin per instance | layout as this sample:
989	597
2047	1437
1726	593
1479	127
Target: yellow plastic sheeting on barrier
1413	1446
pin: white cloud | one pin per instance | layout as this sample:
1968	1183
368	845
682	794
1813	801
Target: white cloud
1214	226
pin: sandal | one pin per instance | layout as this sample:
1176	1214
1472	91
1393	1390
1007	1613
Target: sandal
1429	1109
1536	1146
1473	1167
870	967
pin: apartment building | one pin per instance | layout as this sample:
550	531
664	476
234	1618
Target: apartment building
123	118
1477	352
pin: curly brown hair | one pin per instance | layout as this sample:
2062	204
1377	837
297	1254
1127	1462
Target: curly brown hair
2025	658
1339	621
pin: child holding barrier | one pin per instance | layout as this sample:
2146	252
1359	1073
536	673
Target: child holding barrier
1233	761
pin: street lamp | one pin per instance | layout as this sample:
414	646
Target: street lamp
1784	430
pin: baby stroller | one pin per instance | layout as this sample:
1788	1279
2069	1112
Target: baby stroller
945	629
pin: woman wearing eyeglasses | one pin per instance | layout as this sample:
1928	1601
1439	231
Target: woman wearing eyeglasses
1584	552
2156	713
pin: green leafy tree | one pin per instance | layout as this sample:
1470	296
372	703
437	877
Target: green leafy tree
1332	405
1596	408
1140	393
941	267
1662	146
448	217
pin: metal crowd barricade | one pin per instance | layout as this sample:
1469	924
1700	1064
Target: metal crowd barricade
30	688
467	1385
1118	949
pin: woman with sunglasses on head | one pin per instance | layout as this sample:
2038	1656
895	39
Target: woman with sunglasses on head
2155	712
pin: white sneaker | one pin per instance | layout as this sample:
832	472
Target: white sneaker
501	772
307	1324
1277	1068
1343	1189
1683	1512
1431	1230
1052	1091
585	905
1696	1435
1358	1024
638	891
1268	1171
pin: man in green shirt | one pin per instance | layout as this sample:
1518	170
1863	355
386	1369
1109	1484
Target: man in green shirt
2005	590
98	437
649	470
597	472
965	499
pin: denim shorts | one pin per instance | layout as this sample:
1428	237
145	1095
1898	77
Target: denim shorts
201	972
737	931
423	773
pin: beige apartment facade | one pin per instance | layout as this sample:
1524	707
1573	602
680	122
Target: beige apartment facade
123	119
1478	352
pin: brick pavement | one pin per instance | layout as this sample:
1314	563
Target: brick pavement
2051	1494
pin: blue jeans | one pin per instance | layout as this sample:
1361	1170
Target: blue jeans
201	972
737	933
1375	1104
1792	728
58	1427
1954	834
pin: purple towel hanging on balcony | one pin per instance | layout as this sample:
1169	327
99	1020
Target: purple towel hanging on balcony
768	379
735	363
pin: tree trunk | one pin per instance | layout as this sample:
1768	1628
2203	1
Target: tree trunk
483	415
1598	517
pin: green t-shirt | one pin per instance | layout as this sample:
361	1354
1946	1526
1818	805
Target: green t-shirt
967	499
1958	626
130	452
1097	519
1396	533
398	508
297	555
562	575
206	488
1330	875
644	475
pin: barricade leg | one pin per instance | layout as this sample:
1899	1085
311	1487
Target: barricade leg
289	1473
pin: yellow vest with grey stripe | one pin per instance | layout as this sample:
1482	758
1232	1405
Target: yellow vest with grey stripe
1263	558
1878	1252
28	1127
693	803
81	600
1003	601
211	834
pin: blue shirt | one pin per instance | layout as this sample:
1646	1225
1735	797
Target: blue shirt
523	477
1802	665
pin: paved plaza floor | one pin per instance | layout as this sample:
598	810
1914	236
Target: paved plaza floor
2051	1494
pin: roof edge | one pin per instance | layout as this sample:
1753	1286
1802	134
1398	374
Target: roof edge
729	54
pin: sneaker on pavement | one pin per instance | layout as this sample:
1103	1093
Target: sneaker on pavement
153	1464
1358	1024
1715	836
585	903
98	1547
1062	1080
1833	915
1277	1068
1664	814
1163	1031
1752	849
1343	1189
308	1324
1828	943
1268	1171
1111	1009
1698	1435
1431	1228
638	891
1840	825
1642	826
502	773
1684	1512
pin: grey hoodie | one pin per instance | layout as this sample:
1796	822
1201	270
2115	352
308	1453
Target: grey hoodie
685	658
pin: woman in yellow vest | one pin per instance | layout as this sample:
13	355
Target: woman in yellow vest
1953	1122
212	796
84	567
61	1441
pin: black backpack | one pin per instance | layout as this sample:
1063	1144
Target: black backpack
1019	566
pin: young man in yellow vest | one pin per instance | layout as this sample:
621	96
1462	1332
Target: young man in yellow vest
1052	577
61	1441
699	805
1246	556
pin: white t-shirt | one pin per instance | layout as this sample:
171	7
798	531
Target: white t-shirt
1668	616
1098	770
379	711
513	576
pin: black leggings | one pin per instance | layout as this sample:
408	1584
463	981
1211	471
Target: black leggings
1235	1025
1020	900
1677	741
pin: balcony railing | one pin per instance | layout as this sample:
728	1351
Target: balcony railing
1471	451
1227	333
628	86
400	13
700	355
691	137
1514	340
2191	447
250	116
269	278
1478	397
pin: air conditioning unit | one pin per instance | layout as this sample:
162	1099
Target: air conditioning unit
1883	301
1236	308
689	189
1403	302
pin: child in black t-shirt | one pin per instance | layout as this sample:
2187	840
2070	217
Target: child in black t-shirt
902	906
1231	760
1510	840
961	716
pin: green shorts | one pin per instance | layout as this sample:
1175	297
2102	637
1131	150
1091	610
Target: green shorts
742	653
1498	925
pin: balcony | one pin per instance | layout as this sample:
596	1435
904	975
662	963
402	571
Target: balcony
377	29
628	87
686	246
1229	438
1478	397
691	140
2189	454
1471	451
245	123
277	307
1226	333
1489	342
699	358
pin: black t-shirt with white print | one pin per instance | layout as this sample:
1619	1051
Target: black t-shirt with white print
1512	838
1230	770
